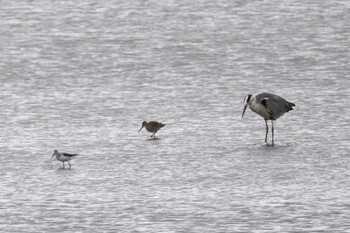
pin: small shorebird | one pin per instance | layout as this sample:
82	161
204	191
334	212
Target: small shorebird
269	106
152	126
63	157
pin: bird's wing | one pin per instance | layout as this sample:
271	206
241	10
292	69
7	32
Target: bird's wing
274	104
69	155
156	124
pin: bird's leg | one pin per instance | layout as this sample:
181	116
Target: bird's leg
272	129
69	165
267	130
63	165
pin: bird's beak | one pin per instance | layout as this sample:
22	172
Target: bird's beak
141	128
52	155
245	107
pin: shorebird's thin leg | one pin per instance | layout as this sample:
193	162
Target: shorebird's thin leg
63	165
69	164
267	130
272	129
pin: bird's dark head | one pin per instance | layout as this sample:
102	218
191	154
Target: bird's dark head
247	100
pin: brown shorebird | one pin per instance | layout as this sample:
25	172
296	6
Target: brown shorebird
152	126
63	157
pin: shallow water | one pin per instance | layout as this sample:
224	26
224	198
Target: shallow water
81	77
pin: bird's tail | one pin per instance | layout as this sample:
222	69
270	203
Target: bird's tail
291	105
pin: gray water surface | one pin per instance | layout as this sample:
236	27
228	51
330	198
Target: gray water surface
81	77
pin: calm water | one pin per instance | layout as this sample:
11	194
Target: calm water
81	77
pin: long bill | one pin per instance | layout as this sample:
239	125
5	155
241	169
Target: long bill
141	128
53	155
245	107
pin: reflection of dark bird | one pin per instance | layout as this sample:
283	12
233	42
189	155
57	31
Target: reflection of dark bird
63	157
152	126
269	106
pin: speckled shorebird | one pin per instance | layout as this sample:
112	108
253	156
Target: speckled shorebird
152	126
269	106
63	157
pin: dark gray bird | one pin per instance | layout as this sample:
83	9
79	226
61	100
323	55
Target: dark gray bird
152	126
63	157
269	106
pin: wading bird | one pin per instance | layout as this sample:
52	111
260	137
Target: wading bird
269	106
152	126
63	157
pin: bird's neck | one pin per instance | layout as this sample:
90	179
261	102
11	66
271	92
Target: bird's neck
259	109
255	107
253	104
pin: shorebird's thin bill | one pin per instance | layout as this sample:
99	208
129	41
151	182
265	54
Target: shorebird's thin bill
140	129
245	107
